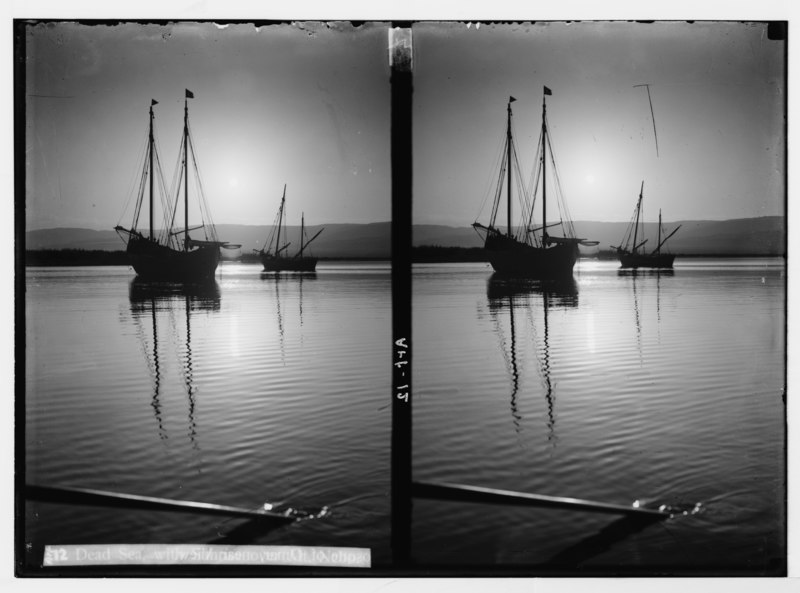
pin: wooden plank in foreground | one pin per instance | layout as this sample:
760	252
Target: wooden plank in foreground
102	498
463	493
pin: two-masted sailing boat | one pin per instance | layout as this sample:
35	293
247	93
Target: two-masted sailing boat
629	251
520	251
274	254
160	255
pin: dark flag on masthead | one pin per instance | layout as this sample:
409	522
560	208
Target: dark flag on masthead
511	99
547	91
189	94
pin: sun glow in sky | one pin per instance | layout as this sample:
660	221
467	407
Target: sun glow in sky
306	105
718	94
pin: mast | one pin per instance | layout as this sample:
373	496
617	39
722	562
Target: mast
544	167
186	169
280	222
658	249
638	210
302	230
508	156
151	145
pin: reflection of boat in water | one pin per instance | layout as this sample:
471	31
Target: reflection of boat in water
200	296
159	255
520	251
506	294
289	283
646	276
556	291
147	299
642	272
274	256
630	252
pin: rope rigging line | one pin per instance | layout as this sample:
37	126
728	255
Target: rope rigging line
565	216
205	211
159	172
170	213
498	192
533	185
166	205
271	236
142	185
522	196
629	231
490	186
177	184
133	183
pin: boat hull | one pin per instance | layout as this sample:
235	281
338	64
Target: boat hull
289	264
512	258
153	261
663	260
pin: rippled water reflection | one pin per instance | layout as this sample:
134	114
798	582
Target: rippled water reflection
250	389
664	388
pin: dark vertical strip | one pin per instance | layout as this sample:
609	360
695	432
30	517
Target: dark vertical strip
400	58
778	31
19	285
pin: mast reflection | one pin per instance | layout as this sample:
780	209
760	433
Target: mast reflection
642	275
510	294
286	279
149	298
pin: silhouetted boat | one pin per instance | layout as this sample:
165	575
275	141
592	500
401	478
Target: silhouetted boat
629	251
160	255
520	251
273	255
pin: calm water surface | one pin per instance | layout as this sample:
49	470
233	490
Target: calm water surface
250	390
664	388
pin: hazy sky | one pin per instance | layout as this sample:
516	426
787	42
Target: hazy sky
309	106
303	105
718	93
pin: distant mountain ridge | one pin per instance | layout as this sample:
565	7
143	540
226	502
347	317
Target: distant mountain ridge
746	236
764	235
372	240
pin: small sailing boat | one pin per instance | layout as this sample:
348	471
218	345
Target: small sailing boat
629	251
520	251
274	256
160	255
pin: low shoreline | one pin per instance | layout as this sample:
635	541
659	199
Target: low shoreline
82	257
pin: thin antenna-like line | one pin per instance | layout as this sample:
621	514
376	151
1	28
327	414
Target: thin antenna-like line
652	113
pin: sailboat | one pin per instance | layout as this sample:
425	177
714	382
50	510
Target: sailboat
629	251
160	255
520	251
274	256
